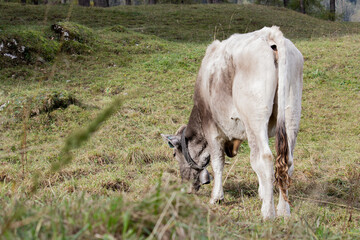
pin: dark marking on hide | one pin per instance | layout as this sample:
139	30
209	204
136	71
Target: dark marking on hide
203	147
211	83
276	55
227	78
226	75
201	116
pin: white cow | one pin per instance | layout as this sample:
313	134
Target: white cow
248	88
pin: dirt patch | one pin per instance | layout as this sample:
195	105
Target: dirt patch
102	159
238	189
4	178
172	171
64	175
41	103
117	185
52	102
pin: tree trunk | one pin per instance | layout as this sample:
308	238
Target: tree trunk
302	6
84	3
332	10
152	1
101	3
23	1
128	2
286	3
36	2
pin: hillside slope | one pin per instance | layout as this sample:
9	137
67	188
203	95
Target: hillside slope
195	23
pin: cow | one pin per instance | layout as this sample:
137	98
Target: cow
249	87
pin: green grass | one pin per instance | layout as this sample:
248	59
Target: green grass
122	181
195	23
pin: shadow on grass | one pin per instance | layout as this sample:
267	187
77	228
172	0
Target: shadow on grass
239	189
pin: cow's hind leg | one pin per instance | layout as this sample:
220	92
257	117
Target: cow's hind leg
253	92
262	162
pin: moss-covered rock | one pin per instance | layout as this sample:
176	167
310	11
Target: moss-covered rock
26	47
73	31
118	28
23	46
75	38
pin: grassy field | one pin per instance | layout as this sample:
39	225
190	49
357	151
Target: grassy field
80	148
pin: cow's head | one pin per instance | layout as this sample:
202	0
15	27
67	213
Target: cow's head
193	156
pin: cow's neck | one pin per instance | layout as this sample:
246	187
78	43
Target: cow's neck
194	130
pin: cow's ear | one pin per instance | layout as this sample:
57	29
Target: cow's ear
172	140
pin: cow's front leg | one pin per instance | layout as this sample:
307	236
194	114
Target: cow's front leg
217	164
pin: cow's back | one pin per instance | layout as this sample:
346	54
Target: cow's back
232	72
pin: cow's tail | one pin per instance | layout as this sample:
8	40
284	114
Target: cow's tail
282	177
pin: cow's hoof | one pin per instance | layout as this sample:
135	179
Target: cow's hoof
283	212
216	201
283	209
269	217
268	212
